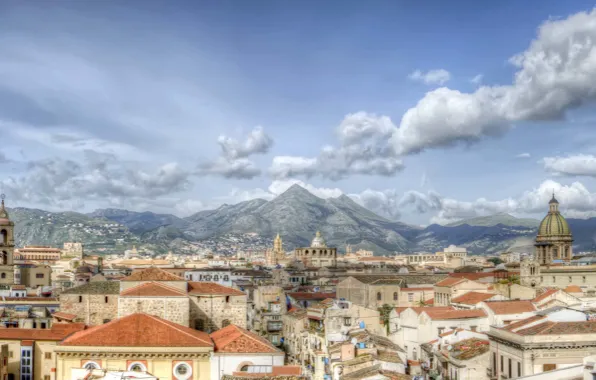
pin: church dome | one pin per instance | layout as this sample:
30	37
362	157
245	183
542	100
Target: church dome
554	224
318	241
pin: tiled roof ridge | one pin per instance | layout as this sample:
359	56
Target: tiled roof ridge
243	333
152	270
151	283
254	337
177	327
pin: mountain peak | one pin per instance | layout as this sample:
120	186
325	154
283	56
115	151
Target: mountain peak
296	191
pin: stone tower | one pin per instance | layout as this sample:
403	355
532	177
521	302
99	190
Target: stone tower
273	257
529	273
554	240
6	247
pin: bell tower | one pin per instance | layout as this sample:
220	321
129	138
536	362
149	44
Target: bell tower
6	246
530	273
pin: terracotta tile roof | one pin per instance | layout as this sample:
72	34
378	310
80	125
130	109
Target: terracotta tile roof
573	289
519	324
472	298
310	296
212	288
472	276
286	370
139	330
510	307
430	301
469	348
450	332
419	310
450	281
152	289
58	332
152	274
560	328
544	295
453	314
234	339
66	316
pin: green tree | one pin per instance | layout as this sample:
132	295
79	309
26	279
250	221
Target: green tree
385	310
495	260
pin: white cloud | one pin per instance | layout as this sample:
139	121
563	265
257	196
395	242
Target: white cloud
554	74
578	165
439	76
575	200
364	149
257	142
477	79
523	155
234	163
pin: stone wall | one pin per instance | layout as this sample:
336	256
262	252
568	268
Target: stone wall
174	309
93	309
208	313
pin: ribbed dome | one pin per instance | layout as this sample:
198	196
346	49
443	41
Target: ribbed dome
318	241
553	224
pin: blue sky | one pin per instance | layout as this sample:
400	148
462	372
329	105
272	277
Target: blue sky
415	109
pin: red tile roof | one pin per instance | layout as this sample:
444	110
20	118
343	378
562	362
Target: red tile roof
58	332
152	289
453	314
450	281
573	289
510	307
544	295
234	339
212	288
560	328
66	316
286	370
152	274
139	330
518	324
472	298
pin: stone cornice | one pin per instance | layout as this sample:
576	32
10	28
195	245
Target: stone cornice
133	355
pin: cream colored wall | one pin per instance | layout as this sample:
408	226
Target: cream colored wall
584	279
160	368
41	365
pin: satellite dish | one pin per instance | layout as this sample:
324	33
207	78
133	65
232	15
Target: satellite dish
449	348
354	341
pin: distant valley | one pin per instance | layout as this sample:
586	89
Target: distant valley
296	215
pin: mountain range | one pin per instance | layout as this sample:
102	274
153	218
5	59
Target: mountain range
296	215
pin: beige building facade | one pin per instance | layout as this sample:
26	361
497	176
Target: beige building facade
318	254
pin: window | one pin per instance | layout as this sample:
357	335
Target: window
519	369
106	299
379	296
510	368
244	368
395	296
410	297
3	275
554	279
226	277
39	275
200	324
584	279
227	299
570	280
48	355
10	354
440	330
216	278
502	360
494	363
415	354
80	299
137	367
91	365
347	321
182	371
473	328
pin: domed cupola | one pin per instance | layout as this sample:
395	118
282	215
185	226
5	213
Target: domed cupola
554	239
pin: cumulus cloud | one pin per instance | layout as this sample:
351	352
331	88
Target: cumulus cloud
553	75
578	165
257	142
477	79
438	76
64	183
575	199
233	162
523	155
364	149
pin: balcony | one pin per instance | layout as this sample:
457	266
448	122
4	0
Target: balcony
274	326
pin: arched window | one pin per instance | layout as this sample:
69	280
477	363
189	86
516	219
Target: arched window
182	371
3	275
4	237
91	365
4	258
395	296
244	368
137	367
379	296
